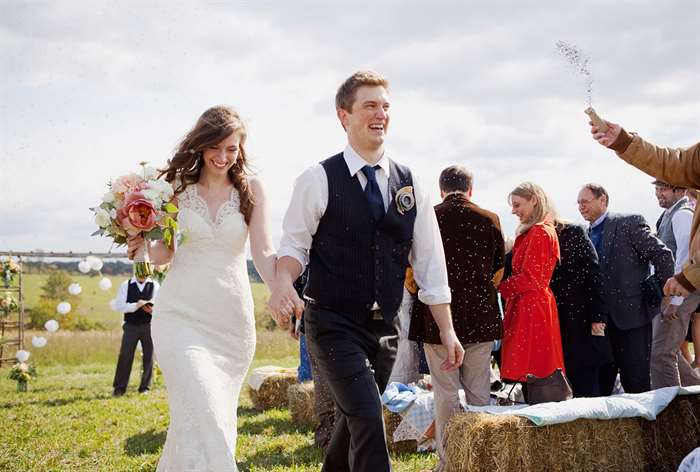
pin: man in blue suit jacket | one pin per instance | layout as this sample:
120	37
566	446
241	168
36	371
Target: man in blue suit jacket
626	248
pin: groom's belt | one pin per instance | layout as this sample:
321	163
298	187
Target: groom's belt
375	312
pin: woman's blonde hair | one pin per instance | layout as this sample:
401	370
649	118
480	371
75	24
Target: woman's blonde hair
544	208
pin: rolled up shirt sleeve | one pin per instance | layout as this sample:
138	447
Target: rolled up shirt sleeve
306	207
427	256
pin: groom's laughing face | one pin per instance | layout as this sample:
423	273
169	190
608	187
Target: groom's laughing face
368	122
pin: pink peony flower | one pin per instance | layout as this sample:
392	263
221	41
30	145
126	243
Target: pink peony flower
138	214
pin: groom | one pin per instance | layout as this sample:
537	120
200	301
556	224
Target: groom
358	219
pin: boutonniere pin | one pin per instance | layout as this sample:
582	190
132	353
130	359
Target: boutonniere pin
405	200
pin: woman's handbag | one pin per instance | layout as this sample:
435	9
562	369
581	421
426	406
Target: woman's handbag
553	388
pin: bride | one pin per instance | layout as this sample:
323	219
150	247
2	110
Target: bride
203	326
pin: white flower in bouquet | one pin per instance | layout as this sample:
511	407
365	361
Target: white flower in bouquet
63	308
105	283
108	197
84	267
153	195
102	218
39	341
22	355
51	326
95	262
75	288
164	189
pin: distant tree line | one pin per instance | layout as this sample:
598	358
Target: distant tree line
109	268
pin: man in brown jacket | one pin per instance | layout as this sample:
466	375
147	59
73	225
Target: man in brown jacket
678	167
474	251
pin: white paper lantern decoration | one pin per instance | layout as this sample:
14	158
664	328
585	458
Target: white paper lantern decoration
38	341
51	326
84	267
63	308
75	288
105	283
22	355
94	262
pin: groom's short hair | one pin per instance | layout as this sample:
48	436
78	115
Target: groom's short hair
456	179
345	97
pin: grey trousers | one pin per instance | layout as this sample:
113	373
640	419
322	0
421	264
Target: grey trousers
474	376
668	366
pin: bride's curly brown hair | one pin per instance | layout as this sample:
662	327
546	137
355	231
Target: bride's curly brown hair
215	125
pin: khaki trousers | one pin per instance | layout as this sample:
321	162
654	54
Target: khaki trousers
473	376
668	366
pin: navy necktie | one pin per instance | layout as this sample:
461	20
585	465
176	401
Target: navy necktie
373	194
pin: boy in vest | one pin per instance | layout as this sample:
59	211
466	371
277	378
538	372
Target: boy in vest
668	367
134	299
358	219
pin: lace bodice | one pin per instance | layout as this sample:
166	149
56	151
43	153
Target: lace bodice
190	199
226	230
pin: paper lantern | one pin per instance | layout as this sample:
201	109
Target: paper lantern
105	283
51	326
75	288
84	267
94	262
38	341
63	308
22	355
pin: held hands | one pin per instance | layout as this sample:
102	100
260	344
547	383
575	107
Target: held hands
674	288
284	302
607	138
455	351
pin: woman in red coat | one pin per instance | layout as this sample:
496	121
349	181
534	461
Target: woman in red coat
531	339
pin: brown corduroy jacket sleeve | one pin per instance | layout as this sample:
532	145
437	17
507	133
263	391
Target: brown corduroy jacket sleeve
679	167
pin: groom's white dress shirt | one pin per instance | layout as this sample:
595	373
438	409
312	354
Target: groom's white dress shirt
309	202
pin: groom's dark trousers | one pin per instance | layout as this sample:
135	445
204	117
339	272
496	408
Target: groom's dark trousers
356	360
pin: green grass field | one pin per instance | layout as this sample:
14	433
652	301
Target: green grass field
68	421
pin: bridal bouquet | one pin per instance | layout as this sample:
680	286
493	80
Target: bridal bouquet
138	204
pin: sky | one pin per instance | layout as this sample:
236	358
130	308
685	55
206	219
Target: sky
87	91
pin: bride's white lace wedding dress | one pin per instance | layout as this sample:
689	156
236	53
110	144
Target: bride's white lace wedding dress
204	335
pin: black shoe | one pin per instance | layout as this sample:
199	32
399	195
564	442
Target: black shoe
144	391
118	393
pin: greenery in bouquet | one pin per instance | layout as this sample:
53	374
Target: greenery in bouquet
7	305
138	205
22	373
9	269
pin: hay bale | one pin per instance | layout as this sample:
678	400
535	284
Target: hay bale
673	435
300	401
479	441
391	422
268	386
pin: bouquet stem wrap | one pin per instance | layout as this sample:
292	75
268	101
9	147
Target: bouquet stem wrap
142	264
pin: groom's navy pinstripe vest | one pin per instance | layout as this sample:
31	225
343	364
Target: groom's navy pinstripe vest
353	260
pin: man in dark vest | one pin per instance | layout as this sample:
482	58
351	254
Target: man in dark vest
475	253
358	219
134	299
668	367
